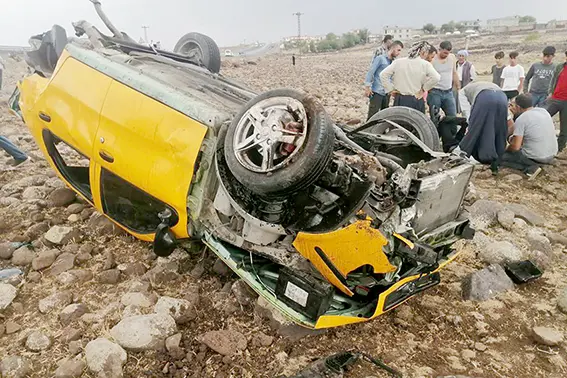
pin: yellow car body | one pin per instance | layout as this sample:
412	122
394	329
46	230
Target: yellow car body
150	145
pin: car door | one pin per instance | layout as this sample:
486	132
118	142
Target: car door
64	114
145	153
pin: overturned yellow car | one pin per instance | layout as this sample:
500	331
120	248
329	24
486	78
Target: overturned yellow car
330	224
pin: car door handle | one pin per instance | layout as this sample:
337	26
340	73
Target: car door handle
44	117
106	156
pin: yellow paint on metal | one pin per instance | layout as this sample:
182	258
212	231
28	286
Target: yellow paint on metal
348	249
329	321
408	242
154	146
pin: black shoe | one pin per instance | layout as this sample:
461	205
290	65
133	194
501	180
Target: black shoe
532	174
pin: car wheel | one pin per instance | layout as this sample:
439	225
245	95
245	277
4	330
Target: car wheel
413	120
279	143
201	47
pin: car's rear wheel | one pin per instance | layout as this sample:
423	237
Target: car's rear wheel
201	47
415	121
279	143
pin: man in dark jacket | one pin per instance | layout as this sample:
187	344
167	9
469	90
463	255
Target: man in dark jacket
486	108
557	102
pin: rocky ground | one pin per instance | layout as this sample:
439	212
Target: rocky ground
89	300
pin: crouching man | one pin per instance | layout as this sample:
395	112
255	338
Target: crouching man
533	141
485	106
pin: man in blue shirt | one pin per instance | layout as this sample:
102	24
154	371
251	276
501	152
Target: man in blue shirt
373	88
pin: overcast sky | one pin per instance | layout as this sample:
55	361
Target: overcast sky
230	22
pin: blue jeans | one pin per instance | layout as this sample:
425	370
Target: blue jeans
442	100
538	99
16	153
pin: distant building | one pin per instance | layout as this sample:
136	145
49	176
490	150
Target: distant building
401	33
496	25
556	24
304	38
472	24
375	38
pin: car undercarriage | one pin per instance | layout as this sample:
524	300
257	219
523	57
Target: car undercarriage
331	224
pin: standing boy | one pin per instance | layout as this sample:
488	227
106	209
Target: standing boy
498	68
373	89
512	80
540	75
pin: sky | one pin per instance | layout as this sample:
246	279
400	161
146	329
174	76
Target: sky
231	22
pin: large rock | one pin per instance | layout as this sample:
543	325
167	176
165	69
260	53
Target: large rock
500	252
110	276
144	332
61	235
102	225
181	310
44	259
22	256
70	368
506	218
557	238
486	283
55	301
547	336
7	295
72	312
525	213
7	249
35	230
105	358
38	341
225	342
279	323
539	242
35	192
63	263
243	293
61	197
139	299
484	213
15	367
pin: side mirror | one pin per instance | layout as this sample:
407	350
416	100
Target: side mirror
164	241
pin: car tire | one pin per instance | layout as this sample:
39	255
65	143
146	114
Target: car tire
311	159
411	119
209	51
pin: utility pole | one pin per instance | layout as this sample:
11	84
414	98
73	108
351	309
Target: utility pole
298	14
145	32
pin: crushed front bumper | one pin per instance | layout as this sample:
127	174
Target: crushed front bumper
387	300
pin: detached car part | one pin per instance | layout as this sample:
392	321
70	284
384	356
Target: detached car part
331	225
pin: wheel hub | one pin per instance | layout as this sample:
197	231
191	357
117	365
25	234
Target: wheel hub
270	134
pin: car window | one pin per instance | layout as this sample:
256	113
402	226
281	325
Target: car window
130	206
73	165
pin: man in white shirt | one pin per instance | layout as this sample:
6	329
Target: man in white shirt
513	75
409	78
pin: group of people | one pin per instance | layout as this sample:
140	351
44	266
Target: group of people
507	121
